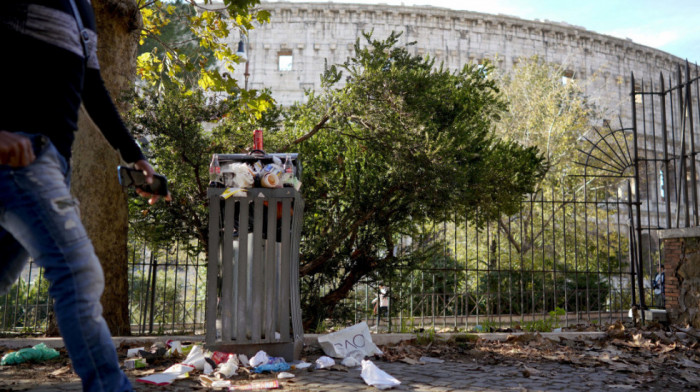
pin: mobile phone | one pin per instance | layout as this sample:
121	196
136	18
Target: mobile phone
134	177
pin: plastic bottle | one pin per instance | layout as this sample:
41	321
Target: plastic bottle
289	171
258	140
214	171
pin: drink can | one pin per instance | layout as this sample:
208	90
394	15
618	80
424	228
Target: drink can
258	139
137	363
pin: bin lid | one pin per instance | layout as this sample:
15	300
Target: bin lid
228	158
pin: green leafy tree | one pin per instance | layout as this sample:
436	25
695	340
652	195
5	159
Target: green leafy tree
187	44
186	62
391	142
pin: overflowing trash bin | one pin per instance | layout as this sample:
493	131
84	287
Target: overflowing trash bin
255	220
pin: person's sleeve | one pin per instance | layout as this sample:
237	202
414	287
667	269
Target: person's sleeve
105	115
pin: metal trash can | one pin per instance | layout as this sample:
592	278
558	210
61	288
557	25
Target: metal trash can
253	298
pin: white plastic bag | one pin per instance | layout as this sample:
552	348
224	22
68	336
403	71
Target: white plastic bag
228	368
260	358
196	358
300	365
244	360
324	362
133	352
355	338
350	362
376	377
285	375
168	376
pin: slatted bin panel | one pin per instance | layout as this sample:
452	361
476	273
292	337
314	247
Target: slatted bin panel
253	273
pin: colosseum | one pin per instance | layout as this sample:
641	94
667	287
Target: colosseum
288	54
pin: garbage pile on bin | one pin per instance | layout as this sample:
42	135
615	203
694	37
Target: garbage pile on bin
238	172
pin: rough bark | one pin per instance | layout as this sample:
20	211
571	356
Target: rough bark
102	200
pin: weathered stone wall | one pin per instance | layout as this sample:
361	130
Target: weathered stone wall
315	32
682	275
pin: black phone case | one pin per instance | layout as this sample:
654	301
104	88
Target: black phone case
132	177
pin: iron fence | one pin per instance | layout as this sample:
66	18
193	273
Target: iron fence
553	264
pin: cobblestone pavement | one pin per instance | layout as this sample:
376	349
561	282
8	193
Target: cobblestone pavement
448	376
623	363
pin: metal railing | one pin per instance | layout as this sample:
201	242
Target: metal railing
555	263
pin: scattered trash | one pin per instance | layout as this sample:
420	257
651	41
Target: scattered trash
274	364
229	368
238	192
154	354
284	375
376	377
244	360
133	352
260	358
61	371
300	365
355	338
324	362
350	362
267	384
175	347
214	383
430	360
37	353
219	357
221	384
168	376
557	330
196	358
135	363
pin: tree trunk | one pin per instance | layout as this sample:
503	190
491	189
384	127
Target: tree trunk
102	201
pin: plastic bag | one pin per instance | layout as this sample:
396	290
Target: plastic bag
350	362
37	353
196	358
133	352
324	362
272	367
260	358
244	360
228	368
168	376
300	365
377	377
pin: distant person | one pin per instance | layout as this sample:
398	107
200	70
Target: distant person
659	287
47	72
381	303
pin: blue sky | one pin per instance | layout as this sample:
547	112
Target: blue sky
672	25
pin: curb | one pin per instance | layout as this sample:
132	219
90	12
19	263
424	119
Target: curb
310	340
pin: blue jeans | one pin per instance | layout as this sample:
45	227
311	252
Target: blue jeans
39	218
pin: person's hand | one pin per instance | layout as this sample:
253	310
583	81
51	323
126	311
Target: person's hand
15	150
148	171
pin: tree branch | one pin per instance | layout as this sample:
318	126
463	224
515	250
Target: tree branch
315	130
506	230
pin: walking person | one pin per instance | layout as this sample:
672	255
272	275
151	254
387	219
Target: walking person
381	303
49	68
659	287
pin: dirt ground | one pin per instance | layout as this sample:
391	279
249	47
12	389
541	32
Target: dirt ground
667	357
